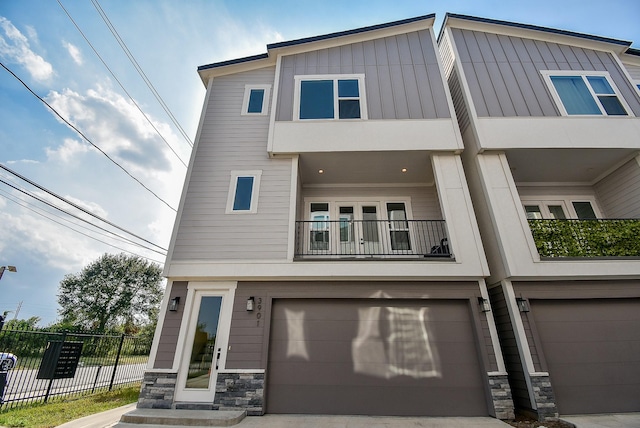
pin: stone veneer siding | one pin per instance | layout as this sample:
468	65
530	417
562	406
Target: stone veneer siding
240	391
157	390
544	397
501	396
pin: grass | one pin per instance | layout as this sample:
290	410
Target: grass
52	414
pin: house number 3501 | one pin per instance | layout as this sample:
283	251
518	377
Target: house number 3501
259	310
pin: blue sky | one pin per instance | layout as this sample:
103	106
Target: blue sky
168	39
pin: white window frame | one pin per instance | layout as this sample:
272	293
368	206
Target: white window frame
298	79
255	191
547	74
570	212
265	100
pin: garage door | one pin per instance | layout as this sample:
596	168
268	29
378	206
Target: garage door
592	349
373	357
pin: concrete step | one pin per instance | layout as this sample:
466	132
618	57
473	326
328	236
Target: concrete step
181	418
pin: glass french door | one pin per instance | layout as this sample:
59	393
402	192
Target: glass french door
359	228
203	347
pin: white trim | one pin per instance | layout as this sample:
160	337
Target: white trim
264	110
274	105
255	191
548	74
567	201
335	78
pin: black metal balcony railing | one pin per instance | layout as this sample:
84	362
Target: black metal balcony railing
372	238
587	238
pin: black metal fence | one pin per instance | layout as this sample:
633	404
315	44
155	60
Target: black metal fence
56	364
372	238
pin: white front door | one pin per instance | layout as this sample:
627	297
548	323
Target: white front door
205	342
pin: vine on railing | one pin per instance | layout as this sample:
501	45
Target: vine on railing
587	238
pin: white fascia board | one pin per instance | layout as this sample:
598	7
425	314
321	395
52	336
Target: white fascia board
542	35
239	67
271	270
364	36
559	132
364	135
584	269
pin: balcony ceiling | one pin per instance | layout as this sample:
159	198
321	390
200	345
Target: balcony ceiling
564	165
366	168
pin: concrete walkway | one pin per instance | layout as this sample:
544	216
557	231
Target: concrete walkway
100	420
621	420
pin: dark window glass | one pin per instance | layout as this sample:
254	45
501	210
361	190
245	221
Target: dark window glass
255	101
349	109
316	99
244	189
584	210
612	106
348	88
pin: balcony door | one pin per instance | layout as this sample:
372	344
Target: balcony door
359	228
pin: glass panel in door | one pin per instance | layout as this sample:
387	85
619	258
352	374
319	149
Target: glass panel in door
370	236
347	230
203	350
398	227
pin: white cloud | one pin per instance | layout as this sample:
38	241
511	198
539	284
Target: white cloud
68	151
15	47
74	52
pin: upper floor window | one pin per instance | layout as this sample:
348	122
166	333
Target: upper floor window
255	99
560	209
330	97
586	93
243	192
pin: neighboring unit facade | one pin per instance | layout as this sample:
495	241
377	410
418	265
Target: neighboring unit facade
551	128
326	256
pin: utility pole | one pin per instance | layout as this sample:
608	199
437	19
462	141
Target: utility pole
15	314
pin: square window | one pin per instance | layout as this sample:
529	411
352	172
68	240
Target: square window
585	93
329	97
243	192
255	99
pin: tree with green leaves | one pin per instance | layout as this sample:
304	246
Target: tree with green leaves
111	292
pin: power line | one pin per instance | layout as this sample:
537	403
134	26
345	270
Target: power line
55	195
121	86
75	216
126	50
84	234
85	137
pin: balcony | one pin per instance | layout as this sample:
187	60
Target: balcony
614	238
372	239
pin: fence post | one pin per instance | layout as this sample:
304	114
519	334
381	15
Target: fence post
115	367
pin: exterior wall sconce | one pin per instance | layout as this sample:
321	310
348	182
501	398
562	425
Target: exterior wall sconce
173	304
250	303
484	304
523	304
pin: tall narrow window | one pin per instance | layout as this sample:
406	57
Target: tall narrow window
398	226
243	192
319	228
255	99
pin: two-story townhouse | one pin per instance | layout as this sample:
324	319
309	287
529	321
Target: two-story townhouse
550	125
326	257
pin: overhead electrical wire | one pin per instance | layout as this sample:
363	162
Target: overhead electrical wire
75	216
142	74
85	137
84	210
122	86
77	231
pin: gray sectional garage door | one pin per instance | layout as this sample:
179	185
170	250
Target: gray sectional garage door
374	357
592	349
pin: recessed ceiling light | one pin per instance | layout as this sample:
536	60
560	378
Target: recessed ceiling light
321	171
404	169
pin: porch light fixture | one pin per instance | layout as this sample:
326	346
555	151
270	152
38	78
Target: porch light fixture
404	169
250	303
173	304
484	304
321	171
523	304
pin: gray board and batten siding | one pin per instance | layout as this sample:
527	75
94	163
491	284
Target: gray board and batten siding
230	141
503	72
171	328
402	76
